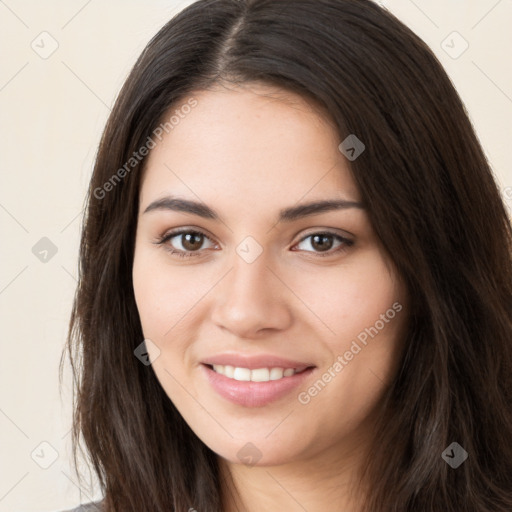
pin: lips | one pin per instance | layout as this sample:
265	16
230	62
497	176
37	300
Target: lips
254	393
253	362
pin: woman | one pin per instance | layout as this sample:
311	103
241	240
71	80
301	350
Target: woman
295	274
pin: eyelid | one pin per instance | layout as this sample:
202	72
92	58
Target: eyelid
309	232
348	242
329	231
181	231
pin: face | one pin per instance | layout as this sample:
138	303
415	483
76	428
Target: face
298	308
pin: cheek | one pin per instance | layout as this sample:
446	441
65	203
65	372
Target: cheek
162	294
363	307
349	298
165	301
152	296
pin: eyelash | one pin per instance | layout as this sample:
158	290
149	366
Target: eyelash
346	243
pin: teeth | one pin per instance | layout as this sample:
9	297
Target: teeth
258	375
276	373
242	374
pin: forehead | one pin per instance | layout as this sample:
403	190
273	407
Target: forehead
246	145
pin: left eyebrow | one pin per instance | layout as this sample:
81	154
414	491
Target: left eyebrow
303	210
285	215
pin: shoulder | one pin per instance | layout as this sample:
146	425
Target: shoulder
88	507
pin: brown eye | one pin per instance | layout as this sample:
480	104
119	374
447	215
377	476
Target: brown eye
192	241
322	243
184	242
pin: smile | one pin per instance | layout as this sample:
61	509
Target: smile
256	387
256	375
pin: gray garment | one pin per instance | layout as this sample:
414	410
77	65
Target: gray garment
88	507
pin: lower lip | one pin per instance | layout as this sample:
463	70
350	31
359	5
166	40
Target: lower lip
253	394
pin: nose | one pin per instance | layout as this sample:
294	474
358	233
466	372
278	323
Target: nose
250	299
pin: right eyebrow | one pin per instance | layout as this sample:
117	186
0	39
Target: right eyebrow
285	215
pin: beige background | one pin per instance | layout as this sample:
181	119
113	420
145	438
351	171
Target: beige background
53	110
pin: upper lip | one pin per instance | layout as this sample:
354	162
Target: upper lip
253	362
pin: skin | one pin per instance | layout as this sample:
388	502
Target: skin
248	152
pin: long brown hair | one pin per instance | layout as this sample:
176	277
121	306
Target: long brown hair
432	201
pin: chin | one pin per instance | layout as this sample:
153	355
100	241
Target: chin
255	453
